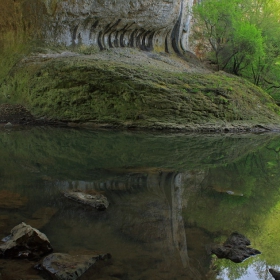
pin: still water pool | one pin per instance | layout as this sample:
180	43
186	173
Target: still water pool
172	196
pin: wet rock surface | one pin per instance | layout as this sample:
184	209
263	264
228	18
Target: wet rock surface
275	273
235	248
65	266
25	242
97	201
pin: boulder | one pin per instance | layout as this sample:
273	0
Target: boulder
97	201
275	273
25	242
235	248
65	267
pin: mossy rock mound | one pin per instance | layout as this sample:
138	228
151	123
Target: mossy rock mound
155	92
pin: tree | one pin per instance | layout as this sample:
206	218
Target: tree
244	38
214	24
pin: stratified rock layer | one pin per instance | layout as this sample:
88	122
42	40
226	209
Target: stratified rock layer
146	24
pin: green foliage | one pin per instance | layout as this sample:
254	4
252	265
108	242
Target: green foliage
11	53
243	37
219	208
246	44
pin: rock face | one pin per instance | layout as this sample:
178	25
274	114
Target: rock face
147	24
66	267
25	242
97	201
121	87
235	248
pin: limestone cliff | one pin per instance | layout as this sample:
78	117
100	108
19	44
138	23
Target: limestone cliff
147	24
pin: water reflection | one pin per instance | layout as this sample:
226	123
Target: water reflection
148	210
171	197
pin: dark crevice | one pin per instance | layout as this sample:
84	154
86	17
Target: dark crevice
99	41
175	35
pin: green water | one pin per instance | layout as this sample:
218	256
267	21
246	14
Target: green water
171	197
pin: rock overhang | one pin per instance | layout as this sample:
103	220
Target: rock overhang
146	24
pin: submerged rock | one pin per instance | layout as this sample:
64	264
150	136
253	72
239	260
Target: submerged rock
25	242
98	201
11	200
275	273
42	217
8	125
235	248
65	267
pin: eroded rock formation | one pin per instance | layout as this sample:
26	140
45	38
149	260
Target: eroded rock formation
146	24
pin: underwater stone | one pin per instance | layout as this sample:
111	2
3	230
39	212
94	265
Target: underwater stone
8	124
66	267
98	201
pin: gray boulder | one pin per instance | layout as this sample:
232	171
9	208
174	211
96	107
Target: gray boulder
235	248
25	242
69	267
97	201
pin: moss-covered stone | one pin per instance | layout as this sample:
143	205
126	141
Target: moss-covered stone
94	90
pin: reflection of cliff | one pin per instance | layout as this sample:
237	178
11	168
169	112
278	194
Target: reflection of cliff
148	209
54	152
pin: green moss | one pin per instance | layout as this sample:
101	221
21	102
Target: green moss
84	89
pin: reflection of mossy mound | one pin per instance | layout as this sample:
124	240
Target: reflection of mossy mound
53	151
151	94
